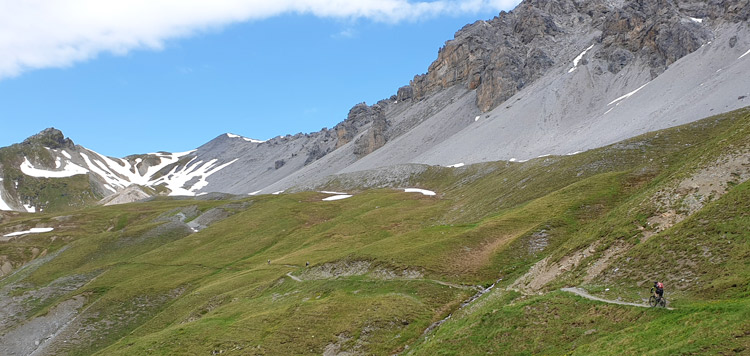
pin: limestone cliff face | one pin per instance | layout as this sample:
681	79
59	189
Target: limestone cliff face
375	137
364	118
501	56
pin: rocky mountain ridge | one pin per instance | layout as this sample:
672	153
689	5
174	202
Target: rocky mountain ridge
546	78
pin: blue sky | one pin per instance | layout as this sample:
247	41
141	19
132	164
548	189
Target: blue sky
160	88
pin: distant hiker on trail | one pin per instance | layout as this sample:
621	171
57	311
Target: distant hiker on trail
658	290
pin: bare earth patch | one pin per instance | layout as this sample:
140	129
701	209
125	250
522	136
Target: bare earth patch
693	193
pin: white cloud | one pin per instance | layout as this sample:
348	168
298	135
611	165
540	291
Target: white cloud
345	34
58	33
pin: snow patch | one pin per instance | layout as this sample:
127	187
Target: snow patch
476	119
66	154
244	138
3	205
254	193
696	20
573	153
610	109
338	197
746	53
457	165
277	193
627	95
578	59
58	163
335	193
417	190
69	170
30	208
36	230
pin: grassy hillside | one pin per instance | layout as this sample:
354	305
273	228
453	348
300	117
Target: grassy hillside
45	194
193	276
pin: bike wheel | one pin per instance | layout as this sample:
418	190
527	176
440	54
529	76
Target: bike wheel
652	301
663	302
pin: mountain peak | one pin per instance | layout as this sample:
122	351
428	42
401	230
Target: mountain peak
51	138
231	135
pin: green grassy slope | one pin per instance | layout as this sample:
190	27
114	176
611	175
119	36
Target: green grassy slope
385	264
52	195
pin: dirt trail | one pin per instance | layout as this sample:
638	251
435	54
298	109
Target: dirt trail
583	293
293	277
442	283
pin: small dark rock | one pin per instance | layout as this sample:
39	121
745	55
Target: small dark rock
732	41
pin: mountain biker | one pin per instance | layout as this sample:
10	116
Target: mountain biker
658	290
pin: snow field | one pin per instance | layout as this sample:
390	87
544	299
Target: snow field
69	170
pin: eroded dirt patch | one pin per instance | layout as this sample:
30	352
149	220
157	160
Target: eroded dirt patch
693	193
546	271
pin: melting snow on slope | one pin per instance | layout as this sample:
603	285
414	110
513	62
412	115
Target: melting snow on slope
99	169
417	190
123	168
254	193
277	193
696	20
3	204
244	138
627	95
66	154
177	180
578	59
746	53
36	230
338	197
29	208
457	165
69	170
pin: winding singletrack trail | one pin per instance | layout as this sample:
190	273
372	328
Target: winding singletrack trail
584	294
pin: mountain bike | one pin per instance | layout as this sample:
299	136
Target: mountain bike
653	301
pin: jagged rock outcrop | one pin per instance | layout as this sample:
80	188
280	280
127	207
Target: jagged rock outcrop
356	121
375	137
501	56
51	138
